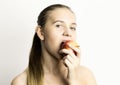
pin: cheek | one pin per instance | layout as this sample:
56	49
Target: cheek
52	43
74	37
52	39
53	35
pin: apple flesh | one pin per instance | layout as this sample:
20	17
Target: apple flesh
65	45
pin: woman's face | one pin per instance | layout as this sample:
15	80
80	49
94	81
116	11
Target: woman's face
60	26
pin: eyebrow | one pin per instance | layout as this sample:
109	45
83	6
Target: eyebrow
63	22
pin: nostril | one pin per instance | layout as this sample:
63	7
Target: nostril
67	34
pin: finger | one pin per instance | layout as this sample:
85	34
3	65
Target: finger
76	49
68	52
68	63
72	62
72	56
70	59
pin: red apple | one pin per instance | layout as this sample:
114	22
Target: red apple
66	44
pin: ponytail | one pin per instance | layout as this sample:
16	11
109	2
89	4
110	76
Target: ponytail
35	69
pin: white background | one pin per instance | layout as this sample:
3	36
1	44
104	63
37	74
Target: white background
98	35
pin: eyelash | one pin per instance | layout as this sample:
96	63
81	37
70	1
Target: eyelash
58	26
73	28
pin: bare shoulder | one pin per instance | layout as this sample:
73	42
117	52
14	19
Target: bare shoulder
21	79
88	75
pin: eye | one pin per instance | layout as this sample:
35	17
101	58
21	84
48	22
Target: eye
73	28
59	26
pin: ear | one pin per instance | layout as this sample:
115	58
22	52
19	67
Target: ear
39	32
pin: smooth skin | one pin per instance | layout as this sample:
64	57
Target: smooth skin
58	70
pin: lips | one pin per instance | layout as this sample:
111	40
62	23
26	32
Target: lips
65	45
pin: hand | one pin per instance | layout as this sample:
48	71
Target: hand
72	61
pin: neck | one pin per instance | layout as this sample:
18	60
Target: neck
54	66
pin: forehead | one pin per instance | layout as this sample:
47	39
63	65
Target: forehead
63	14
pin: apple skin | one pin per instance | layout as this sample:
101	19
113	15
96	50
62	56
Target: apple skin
65	45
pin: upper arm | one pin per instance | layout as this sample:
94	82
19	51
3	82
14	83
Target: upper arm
15	81
90	78
20	79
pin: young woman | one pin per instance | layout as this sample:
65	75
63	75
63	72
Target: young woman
47	65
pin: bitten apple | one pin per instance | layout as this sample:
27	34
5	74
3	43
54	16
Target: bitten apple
66	44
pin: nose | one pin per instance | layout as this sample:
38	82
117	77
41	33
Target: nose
67	32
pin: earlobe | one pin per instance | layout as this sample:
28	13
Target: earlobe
39	32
